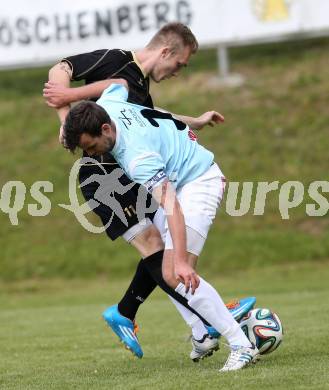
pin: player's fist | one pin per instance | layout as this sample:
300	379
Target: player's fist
57	95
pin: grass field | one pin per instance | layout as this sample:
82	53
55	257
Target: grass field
52	336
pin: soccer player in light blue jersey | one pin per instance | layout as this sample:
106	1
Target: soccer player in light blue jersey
162	153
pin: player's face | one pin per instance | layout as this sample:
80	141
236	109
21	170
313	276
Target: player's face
170	63
96	146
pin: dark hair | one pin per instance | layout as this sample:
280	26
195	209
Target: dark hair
175	35
86	117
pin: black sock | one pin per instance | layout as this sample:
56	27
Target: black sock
140	288
153	264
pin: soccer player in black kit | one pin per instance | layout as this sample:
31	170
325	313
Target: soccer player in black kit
167	52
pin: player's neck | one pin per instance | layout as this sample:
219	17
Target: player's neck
146	58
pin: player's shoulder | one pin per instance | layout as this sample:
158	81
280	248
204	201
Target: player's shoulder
116	92
119	55
103	55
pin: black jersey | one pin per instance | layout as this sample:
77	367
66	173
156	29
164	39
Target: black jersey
100	65
110	64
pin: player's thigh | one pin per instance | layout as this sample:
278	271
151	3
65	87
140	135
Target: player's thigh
148	240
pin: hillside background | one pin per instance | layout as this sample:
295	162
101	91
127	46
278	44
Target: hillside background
276	128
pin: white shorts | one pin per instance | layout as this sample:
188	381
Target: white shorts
199	201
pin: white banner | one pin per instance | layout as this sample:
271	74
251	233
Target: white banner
34	32
244	21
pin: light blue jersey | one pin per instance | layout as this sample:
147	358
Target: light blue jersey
152	145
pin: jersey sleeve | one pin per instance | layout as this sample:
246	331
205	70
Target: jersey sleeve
148	170
96	65
82	64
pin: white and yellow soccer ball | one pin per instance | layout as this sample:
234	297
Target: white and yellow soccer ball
263	328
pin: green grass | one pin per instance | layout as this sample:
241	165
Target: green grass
52	336
276	128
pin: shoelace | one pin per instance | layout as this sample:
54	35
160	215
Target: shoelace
232	304
233	358
136	328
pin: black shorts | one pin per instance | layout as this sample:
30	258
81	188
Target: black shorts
126	200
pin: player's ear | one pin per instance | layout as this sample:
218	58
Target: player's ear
165	51
106	128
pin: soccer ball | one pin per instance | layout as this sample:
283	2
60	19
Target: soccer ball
263	328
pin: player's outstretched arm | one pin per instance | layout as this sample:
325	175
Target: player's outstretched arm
59	95
210	118
165	195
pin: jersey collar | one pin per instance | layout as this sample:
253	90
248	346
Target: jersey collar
138	64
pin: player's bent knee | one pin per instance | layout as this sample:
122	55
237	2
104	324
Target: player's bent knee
147	240
169	278
152	237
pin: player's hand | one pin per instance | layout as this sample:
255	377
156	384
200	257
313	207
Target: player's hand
186	274
210	118
57	95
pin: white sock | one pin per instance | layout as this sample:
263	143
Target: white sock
198	329
211	307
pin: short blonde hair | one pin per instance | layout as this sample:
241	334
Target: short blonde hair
175	35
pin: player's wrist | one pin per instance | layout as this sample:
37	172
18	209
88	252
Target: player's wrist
180	258
195	124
